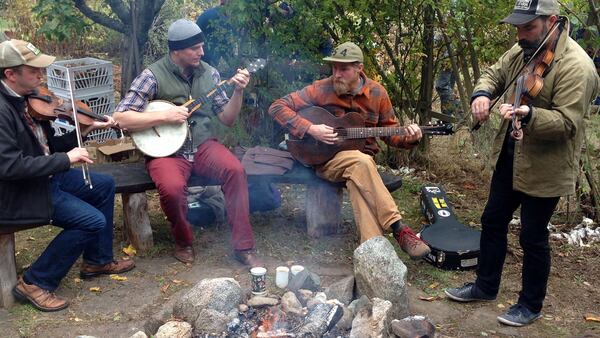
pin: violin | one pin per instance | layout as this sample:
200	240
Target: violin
45	105
530	83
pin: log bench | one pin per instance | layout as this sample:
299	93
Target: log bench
323	198
323	210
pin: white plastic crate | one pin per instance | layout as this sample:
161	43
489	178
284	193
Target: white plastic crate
101	135
88	75
100	103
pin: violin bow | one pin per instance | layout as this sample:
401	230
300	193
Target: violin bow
84	166
559	21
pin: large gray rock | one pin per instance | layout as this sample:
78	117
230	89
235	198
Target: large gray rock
211	321
291	304
379	273
174	329
218	294
305	280
413	326
342	290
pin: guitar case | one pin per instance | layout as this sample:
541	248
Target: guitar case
454	246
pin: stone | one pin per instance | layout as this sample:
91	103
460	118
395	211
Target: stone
413	326
259	301
373	321
210	321
379	273
342	290
139	334
174	329
290	304
305	280
304	296
319	298
218	294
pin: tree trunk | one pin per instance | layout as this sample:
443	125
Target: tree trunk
426	92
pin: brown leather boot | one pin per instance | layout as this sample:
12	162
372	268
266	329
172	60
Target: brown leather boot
248	257
411	243
184	254
41	299
91	270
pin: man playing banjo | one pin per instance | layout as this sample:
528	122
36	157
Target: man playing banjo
177	78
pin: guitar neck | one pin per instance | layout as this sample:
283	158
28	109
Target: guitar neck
223	86
368	132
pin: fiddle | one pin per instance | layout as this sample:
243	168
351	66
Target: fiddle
45	105
530	83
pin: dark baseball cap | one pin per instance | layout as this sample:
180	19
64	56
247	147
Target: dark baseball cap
527	10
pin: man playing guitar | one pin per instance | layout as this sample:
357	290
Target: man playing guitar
349	90
178	77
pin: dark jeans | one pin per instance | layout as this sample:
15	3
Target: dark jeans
86	216
535	215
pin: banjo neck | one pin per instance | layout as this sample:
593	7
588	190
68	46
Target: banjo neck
195	104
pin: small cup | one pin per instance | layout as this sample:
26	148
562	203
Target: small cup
296	268
259	283
282	276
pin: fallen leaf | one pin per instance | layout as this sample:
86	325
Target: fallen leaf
31	238
592	318
164	288
95	289
77	280
469	186
177	281
587	284
76	319
501	306
130	250
433	285
117	277
429	299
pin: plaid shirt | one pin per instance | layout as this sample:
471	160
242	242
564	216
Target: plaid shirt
371	102
144	88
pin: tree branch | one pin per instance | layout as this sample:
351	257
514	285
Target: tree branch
99	18
122	12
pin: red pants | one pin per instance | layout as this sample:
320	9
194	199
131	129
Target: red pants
215	161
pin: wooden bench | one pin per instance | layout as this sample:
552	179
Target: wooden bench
323	198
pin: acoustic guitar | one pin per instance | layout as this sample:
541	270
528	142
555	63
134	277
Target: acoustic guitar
352	135
164	140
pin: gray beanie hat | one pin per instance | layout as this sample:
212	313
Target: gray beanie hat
183	34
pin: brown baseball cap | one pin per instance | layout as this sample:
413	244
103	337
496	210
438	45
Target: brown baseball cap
527	10
14	53
346	52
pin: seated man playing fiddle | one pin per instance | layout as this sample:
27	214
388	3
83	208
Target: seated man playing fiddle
350	90
38	185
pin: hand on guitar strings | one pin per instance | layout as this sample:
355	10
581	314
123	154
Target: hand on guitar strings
413	133
323	133
176	114
241	79
507	111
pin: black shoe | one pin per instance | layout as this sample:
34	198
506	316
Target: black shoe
518	315
467	293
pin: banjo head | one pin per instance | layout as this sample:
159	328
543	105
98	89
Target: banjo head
161	140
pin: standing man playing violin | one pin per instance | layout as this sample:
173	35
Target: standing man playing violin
38	187
539	163
178	77
350	90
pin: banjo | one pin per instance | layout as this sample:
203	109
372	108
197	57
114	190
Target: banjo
166	139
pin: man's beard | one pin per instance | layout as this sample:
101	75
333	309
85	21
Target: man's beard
529	47
342	87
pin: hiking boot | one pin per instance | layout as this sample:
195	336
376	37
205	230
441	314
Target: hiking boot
184	254
115	267
467	293
518	315
41	299
248	258
411	244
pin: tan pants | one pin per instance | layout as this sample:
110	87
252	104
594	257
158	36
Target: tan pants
374	207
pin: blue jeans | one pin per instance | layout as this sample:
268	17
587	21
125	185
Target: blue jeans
86	216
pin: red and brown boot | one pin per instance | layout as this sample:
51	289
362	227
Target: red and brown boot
41	299
411	244
115	267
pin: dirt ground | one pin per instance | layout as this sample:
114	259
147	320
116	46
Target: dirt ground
120	308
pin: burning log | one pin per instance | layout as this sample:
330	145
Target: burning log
321	319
